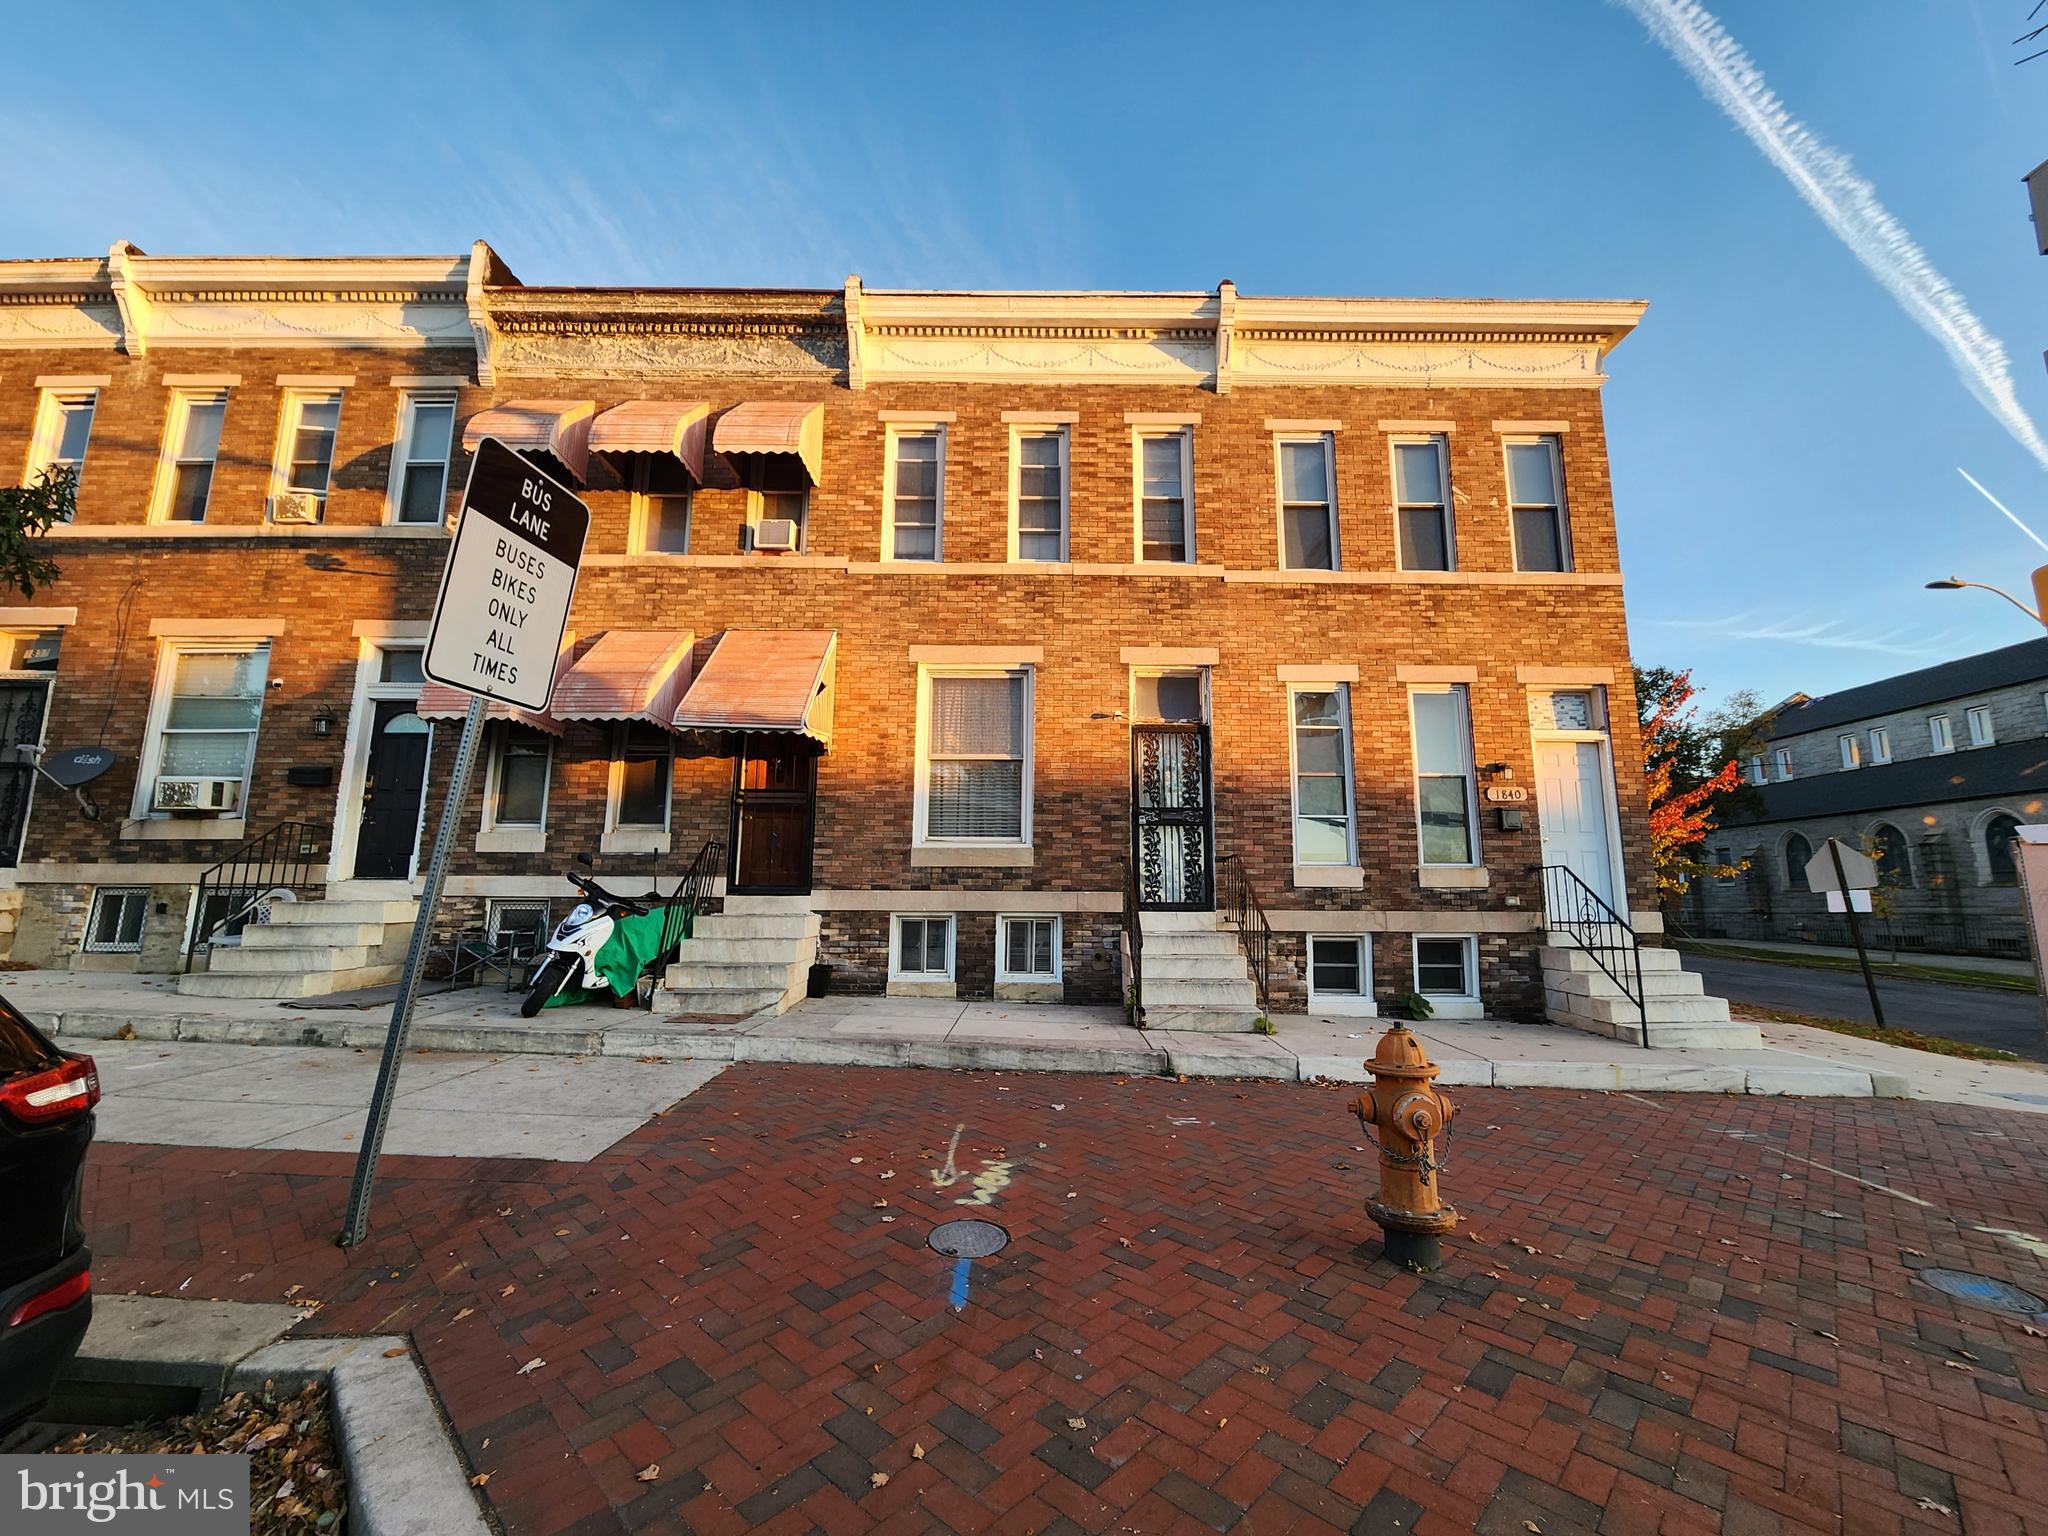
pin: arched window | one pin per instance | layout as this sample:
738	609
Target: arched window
1998	859
1798	853
1888	847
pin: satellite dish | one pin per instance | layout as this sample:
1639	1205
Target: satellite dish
77	766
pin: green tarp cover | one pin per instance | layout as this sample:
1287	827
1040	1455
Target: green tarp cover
634	942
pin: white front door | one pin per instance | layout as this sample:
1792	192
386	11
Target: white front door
1572	802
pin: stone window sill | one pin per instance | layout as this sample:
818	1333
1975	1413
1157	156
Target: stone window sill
1336	877
512	840
941	857
1432	877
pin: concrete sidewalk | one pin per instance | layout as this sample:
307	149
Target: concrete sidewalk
872	1031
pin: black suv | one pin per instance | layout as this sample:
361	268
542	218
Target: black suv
46	1100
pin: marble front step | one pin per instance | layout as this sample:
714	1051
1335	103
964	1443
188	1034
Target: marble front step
1568	956
294	912
284	984
302	935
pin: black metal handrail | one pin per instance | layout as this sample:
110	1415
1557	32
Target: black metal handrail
1134	944
688	899
284	858
1242	909
1575	909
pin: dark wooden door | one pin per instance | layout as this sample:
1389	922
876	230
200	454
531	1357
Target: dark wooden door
394	785
774	793
21	724
1170	821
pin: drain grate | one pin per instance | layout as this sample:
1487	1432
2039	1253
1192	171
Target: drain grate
969	1239
1983	1291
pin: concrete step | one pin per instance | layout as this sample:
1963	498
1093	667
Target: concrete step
772	925
1199	1021
284	983
689	974
230	959
1177	922
1733	1035
304	935
756	905
1171	992
1563	957
720	1002
1190	942
708	949
1619	1010
1656	984
285	912
1202	967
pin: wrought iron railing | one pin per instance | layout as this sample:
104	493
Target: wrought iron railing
1573	908
1242	909
1134	944
688	899
283	859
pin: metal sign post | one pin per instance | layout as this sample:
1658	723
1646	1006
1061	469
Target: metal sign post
1856	932
496	634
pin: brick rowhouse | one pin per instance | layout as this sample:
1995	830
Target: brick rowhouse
1223	479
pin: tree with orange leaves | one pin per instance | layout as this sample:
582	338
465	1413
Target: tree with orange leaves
1686	788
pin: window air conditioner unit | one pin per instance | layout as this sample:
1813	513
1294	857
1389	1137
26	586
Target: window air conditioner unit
198	797
295	507
775	533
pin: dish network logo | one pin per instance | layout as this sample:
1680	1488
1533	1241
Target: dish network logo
100	1500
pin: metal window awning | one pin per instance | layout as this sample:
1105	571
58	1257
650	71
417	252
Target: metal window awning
627	674
440	702
791	427
760	681
557	430
661	427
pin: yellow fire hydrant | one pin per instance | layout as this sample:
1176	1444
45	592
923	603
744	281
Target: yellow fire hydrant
1406	1113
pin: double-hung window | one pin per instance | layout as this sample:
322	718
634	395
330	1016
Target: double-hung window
191	444
660	509
1323	800
419	463
1941	734
518	795
1029	949
1422	505
1038	492
974	758
1444	806
212	708
1308	503
1880	744
640	778
1753	769
1978	717
1165	526
1782	761
1851	750
305	446
63	423
1536	505
914	493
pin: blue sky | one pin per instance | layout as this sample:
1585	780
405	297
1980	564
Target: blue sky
1785	440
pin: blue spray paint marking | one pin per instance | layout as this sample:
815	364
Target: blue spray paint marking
960	1268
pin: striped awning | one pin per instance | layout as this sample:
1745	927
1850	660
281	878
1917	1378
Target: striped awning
672	427
628	674
794	427
558	429
761	681
440	702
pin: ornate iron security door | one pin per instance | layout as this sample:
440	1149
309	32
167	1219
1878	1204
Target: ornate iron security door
21	723
1170	817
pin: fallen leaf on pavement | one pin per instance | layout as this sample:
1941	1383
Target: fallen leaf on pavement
1077	1423
1942	1509
532	1365
508	1290
393	1354
480	1479
648	1473
876	1479
465	1312
917	1451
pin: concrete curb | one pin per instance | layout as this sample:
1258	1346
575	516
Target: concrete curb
405	1474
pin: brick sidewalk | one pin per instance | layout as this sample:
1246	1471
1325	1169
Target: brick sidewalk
1648	1323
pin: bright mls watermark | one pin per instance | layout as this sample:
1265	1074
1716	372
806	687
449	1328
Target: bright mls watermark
159	1495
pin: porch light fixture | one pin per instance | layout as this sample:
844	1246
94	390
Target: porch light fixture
323	721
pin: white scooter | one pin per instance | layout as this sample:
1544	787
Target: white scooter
572	948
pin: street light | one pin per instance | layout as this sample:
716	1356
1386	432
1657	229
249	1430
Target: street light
1956	583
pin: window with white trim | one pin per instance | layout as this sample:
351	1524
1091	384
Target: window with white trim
1038	493
921	948
1783	761
642	771
1422	505
207	720
516	798
1320	723
1446	967
305	443
1165	522
1444	808
1941	734
1536	505
1308	502
1753	769
63	425
1978	717
913	493
1851	750
1028	948
660	510
974	758
1339	967
419	459
114	925
1880	745
191	445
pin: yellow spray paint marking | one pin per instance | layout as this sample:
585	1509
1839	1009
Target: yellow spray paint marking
993	1179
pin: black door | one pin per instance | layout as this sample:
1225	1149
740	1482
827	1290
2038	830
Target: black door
393	786
773	795
1170	817
21	724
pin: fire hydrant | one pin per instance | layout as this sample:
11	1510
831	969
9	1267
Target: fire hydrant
1406	1113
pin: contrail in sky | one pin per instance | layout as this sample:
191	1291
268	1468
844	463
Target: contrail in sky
1846	203
2008	511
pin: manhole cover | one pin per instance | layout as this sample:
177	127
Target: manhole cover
1981	1290
969	1239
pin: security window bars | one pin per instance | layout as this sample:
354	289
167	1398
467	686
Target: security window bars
419	477
1443	775
1423	506
191	449
977	757
1536	504
916	460
1322	775
1041	460
114	926
1163	497
1308	505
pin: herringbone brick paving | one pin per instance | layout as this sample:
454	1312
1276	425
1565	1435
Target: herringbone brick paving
1667	1314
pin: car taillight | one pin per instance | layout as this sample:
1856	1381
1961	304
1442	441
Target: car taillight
62	1091
55	1299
